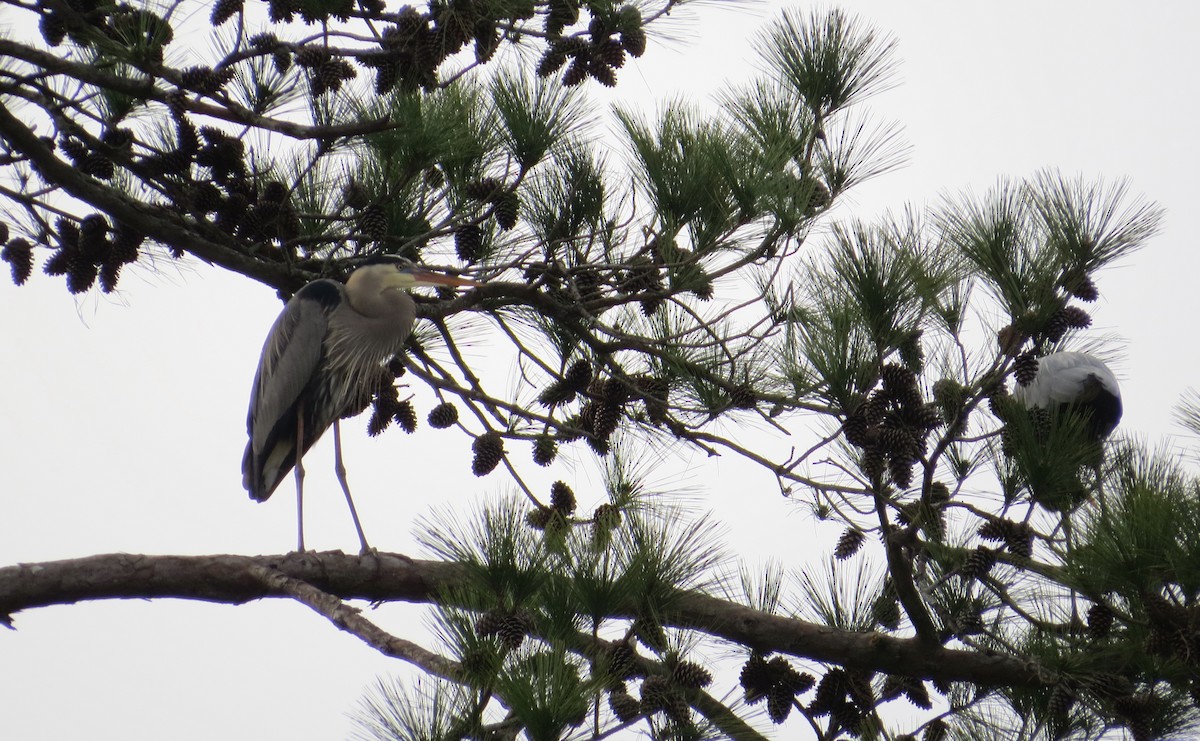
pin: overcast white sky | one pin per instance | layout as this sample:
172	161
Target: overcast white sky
123	418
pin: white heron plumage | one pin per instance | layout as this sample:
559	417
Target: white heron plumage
1075	379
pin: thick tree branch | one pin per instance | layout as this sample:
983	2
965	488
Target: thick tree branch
390	577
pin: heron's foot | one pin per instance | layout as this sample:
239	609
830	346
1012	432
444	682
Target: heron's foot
367	550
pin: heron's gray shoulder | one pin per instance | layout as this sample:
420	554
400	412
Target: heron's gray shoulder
293	349
303	322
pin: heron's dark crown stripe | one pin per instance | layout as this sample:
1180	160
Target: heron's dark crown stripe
385	260
325	292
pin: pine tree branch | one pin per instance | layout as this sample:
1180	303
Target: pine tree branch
161	224
146	90
350	619
235	579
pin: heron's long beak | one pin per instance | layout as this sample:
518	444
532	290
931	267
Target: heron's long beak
421	277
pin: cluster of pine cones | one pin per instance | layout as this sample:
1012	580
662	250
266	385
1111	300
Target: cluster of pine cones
892	425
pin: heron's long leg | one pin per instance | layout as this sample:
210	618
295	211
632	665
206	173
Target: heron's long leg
340	468
300	477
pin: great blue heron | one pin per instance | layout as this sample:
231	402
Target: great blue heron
322	357
1079	380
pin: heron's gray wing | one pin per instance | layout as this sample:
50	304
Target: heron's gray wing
290	358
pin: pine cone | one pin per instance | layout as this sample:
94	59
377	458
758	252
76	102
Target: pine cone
1085	290
622	661
386	77
656	693
1075	317
610	52
18	253
897	380
539	518
605	419
599	446
691	675
757	678
405	416
74	149
857	430
624	706
579	375
489	450
264	41
885	610
558	392
1025	368
607	516
98	166
1056	327
846	715
513	628
552	60
858	686
489	623
200	79
53	28
926	417
978	564
223	10
1020	541
576	73
917	694
936	730
372	222
562	498
487	41
484	189
779	700
468	242
81	275
677	709
912	354
602	73
507	209
544	450
560	14
633	35
793	681
650	634
1100	619
443	415
997	530
848	544
939	493
873	464
897	442
743	397
893	685
830	691
311	56
1000	402
901	471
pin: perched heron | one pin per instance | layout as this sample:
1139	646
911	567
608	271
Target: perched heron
321	359
1078	380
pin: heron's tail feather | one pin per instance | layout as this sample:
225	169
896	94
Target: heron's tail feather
262	473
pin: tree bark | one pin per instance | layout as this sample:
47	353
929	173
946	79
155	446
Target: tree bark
384	577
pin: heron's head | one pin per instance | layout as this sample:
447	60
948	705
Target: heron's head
389	272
